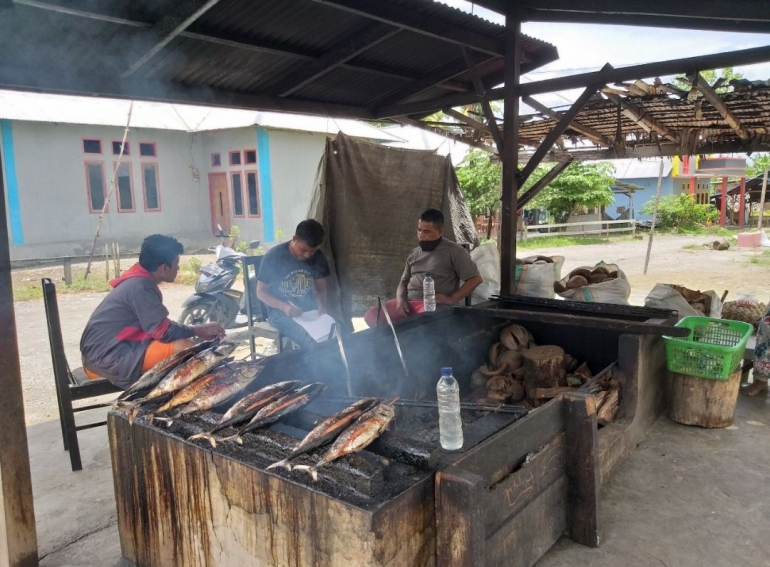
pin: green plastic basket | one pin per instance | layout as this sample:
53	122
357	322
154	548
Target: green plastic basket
713	349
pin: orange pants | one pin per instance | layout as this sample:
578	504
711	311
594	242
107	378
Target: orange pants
156	351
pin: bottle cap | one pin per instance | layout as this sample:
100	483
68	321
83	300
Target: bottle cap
446	371
427	274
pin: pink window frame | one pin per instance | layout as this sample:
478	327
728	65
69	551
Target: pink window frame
83	146
255	156
212	159
127	151
230	160
232	192
157	186
246	185
86	163
131	181
154	149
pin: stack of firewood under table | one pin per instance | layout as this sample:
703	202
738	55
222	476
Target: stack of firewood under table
521	372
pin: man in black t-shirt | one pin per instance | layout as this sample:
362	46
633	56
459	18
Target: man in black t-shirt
292	280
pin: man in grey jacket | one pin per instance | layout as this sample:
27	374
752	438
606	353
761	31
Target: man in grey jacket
130	332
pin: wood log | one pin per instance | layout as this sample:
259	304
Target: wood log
608	409
704	402
548	393
543	368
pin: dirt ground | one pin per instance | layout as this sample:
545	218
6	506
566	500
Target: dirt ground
737	270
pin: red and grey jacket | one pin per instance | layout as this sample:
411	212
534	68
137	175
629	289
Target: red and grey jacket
126	321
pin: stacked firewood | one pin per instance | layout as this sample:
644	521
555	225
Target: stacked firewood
521	372
606	393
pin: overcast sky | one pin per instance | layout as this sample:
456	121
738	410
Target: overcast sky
585	47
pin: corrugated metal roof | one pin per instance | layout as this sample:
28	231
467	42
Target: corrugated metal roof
640	168
32	107
238	50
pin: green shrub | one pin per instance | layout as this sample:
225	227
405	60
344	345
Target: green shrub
681	213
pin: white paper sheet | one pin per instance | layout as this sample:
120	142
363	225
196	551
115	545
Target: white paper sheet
317	326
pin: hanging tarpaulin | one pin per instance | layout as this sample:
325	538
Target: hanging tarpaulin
369	198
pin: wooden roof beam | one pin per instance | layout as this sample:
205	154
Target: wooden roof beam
459	116
168	28
716	101
402	17
494	129
638	115
593	135
558	130
350	47
604	76
544	181
407	121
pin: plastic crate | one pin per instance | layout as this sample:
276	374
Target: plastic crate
713	349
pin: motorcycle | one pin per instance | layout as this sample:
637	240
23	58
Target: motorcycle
214	300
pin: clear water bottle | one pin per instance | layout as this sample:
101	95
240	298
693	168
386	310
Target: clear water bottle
428	293
449	422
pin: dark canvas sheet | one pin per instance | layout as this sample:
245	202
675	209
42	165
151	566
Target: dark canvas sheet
369	198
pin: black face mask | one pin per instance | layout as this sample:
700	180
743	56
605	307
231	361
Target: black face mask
429	245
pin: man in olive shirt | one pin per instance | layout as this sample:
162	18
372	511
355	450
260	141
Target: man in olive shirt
449	264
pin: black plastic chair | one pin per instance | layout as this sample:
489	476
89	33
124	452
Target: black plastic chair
70	385
256	311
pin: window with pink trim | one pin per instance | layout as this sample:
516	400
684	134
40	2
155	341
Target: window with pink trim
95	185
150	185
235	158
124	188
216	159
252	192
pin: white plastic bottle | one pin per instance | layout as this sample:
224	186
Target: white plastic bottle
428	293
449	422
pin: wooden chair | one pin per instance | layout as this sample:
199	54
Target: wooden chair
70	385
256	311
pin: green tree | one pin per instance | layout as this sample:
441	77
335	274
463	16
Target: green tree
711	76
480	180
581	185
681	213
757	164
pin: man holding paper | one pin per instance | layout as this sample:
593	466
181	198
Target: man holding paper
292	283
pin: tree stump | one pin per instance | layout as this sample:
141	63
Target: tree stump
704	402
543	368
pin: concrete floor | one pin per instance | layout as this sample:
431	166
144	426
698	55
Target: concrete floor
687	497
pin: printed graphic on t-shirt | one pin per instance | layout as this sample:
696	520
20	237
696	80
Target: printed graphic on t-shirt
297	283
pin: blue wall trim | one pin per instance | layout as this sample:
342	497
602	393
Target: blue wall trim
265	184
11	182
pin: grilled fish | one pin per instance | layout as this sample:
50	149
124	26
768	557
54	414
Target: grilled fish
247	407
190	392
154	375
221	390
356	437
184	374
282	407
328	430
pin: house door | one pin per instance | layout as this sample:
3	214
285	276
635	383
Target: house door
219	202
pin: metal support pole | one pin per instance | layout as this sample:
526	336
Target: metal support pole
510	152
723	204
742	204
18	537
692	187
762	200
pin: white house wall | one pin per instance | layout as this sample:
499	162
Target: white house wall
50	216
53	205
295	157
287	162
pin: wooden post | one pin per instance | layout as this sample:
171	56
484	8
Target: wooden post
67	271
742	204
510	153
654	218
762	200
461	541
723	203
692	187
107	261
582	441
18	538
